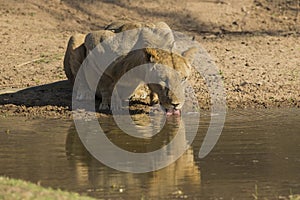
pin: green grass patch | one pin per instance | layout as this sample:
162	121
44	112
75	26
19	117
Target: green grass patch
13	189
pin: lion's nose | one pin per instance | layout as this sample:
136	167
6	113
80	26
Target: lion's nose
175	104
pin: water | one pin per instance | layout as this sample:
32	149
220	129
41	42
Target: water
256	148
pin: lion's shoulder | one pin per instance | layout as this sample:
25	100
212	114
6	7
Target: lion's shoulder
93	38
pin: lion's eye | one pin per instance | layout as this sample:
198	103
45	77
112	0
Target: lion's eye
184	79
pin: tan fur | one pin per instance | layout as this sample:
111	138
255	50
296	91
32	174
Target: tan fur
74	56
80	45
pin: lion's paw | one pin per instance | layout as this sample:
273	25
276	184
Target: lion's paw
85	95
104	106
116	107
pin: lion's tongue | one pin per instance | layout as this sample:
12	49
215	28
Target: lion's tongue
172	112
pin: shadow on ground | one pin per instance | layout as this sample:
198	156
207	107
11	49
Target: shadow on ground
54	94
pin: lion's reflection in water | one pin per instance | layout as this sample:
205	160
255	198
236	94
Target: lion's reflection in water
176	179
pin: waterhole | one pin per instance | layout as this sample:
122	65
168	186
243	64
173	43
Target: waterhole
258	153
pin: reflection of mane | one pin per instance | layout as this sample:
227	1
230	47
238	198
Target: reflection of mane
156	184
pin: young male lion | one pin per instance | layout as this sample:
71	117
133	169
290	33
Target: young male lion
163	62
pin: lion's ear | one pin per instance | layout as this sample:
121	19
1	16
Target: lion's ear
190	54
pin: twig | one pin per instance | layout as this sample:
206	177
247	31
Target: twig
28	62
216	1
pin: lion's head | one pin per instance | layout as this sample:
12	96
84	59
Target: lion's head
172	70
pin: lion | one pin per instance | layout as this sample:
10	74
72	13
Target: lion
162	63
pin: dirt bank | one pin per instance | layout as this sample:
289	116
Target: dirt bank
254	43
